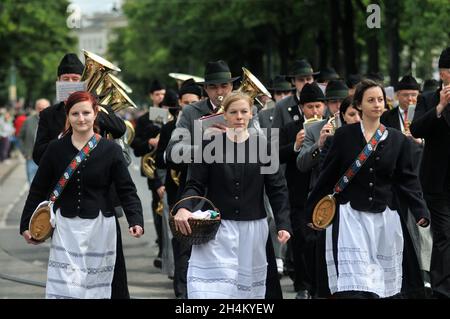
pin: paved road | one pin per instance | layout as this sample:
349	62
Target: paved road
27	262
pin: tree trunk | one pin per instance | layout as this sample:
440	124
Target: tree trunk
348	38
372	52
335	18
322	46
392	21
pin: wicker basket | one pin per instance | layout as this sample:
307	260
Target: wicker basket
203	230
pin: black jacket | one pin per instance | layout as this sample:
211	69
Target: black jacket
389	168
86	193
297	181
52	121
434	172
237	188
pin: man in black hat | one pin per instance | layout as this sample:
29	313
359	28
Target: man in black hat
288	109
407	92
326	75
52	119
432	123
50	127
351	82
280	88
156	92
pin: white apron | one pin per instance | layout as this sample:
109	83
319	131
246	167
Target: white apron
82	257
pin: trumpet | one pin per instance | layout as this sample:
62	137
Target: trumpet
335	122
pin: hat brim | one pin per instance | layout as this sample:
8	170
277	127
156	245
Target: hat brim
218	81
301	74
279	89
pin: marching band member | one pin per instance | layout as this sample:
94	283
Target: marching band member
234	264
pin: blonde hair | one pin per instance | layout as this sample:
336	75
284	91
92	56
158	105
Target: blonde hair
236	96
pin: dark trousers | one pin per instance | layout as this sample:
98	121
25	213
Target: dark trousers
157	221
303	256
119	285
273	287
439	206
181	254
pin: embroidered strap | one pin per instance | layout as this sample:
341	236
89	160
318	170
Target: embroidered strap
360	160
74	163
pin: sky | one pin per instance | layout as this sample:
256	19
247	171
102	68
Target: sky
90	6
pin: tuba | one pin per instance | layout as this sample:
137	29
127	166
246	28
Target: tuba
95	70
251	86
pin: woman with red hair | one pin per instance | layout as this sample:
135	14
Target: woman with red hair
85	244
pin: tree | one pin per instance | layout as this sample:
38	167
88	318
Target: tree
34	37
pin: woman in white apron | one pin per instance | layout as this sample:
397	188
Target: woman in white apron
84	242
364	245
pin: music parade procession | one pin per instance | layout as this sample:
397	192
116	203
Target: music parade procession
211	153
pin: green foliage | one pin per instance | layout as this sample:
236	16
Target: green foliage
34	37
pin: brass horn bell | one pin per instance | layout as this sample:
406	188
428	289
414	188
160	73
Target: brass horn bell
95	70
252	86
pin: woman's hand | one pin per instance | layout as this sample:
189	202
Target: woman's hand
181	221
283	236
136	231
29	239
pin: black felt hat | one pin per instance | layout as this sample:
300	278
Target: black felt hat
336	90
408	82
311	92
444	59
156	86
352	80
301	68
170	99
217	72
430	85
327	74
279	83
70	64
190	86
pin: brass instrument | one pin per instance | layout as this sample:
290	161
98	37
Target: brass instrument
116	97
175	176
160	209
95	70
130	132
307	123
105	86
148	163
335	122
251	86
